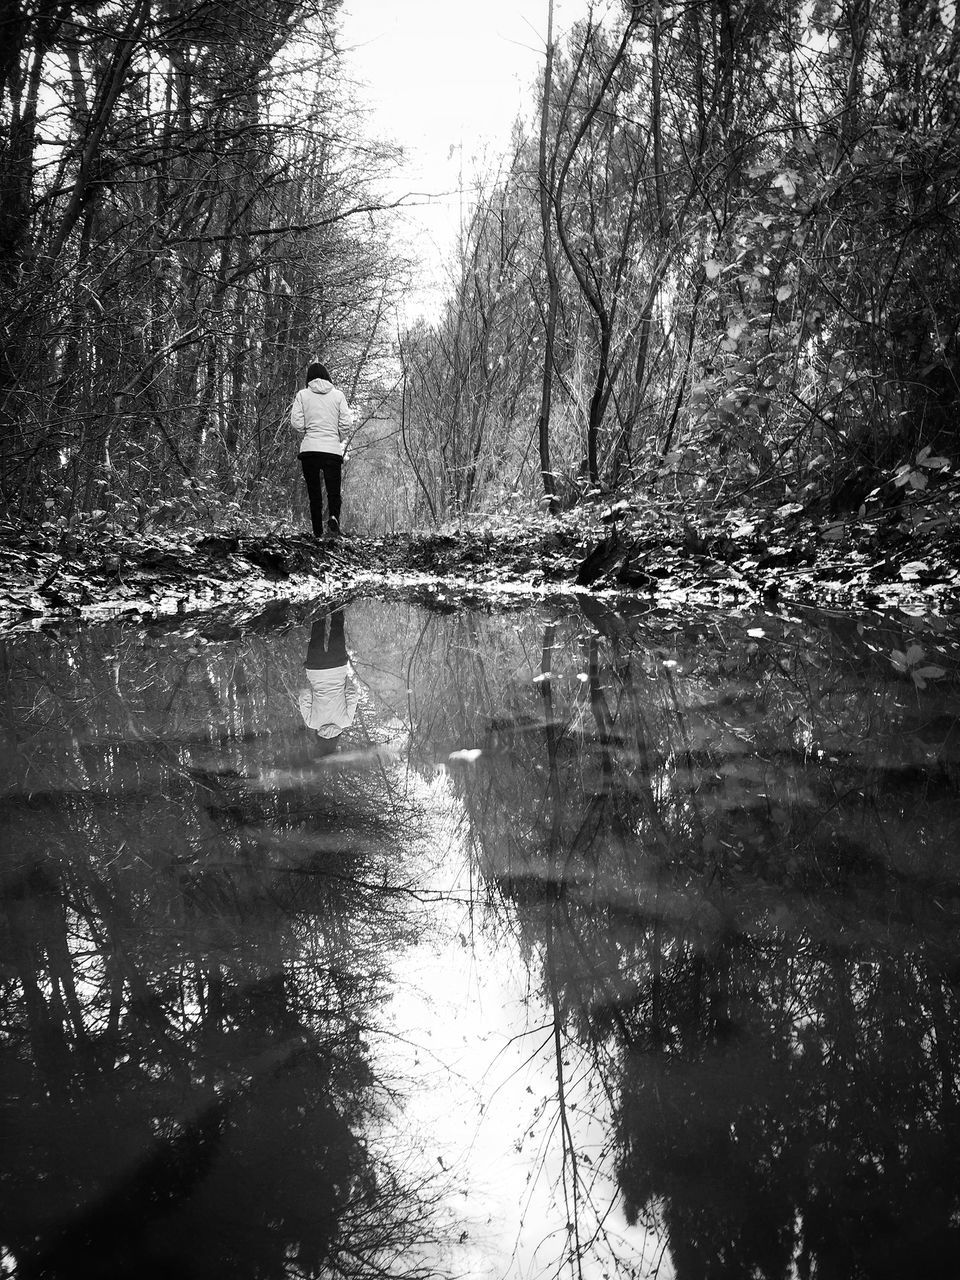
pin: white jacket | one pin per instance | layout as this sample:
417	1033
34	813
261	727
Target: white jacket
330	704
318	414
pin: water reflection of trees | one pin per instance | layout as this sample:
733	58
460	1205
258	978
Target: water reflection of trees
733	856
194	931
729	857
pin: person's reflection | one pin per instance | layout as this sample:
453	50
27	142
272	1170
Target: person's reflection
329	705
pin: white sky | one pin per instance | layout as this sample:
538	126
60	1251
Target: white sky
442	75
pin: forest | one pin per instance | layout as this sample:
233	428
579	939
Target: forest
188	215
670	858
723	265
715	272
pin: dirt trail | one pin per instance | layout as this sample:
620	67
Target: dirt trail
848	566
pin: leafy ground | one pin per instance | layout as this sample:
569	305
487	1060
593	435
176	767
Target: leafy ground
885	560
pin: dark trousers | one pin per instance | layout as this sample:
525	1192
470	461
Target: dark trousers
322	470
324	652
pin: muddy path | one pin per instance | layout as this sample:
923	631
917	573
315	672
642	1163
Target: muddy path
89	575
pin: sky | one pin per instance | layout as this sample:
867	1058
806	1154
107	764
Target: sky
446	79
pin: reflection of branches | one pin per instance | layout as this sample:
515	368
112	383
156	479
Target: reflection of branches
642	854
748	986
237	1057
184	1014
571	1181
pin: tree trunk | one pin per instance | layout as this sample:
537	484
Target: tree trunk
546	176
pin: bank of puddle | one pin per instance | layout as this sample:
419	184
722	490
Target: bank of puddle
387	939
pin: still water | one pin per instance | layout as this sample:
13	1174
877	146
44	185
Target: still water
419	941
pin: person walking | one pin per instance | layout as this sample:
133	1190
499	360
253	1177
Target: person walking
319	415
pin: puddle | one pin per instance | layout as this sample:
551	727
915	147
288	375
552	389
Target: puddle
477	944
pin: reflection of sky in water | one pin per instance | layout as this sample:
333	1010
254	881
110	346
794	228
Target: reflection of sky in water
716	854
476	1045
